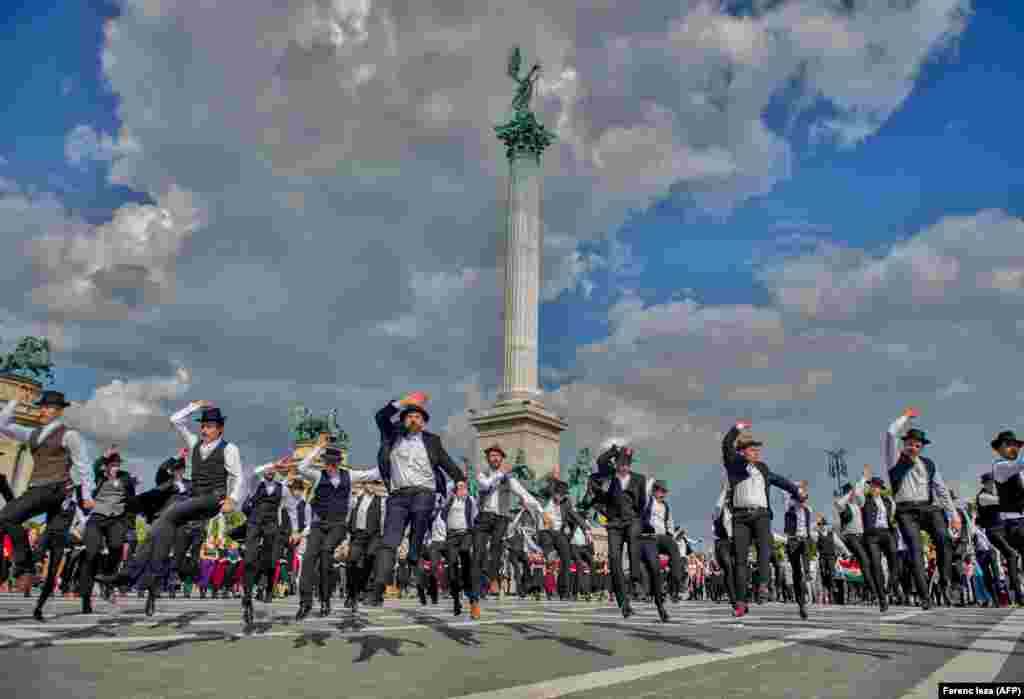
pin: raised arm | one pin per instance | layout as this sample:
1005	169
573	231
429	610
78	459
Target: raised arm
891	446
9	428
305	468
180	422
529	502
383	418
1004	469
783	484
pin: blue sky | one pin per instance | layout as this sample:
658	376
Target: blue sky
949	149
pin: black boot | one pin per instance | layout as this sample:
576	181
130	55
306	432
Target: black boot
422	594
457	607
151	602
325	607
627	608
268	595
247	613
305	608
665	618
86	605
803	609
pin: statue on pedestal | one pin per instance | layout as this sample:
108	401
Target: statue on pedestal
523	133
29	360
306	427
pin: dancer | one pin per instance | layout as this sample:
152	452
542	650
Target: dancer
749	480
332	491
561	520
460	513
660	520
1008	474
721	522
262	509
366	527
798	533
655	535
108	523
851	519
217	488
55	450
878	513
921	497
413	464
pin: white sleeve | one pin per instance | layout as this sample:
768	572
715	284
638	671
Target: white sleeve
236	474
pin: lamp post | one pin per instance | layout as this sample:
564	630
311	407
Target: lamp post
837	468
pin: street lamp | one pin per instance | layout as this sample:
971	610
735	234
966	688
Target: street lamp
837	468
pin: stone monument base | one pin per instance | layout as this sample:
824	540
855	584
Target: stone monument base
522	425
26	392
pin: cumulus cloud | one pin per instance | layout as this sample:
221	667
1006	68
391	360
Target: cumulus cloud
123	409
84	143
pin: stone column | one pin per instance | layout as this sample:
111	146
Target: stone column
522	253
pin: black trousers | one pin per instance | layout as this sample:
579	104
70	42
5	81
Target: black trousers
187	540
489	542
648	546
751	525
37	500
723	554
323	538
521	569
151	564
855	542
827	571
57	528
1009	541
584	557
427	579
796	552
623	534
668	546
261	554
879	542
100	529
362	553
463	574
407	507
557	541
912	519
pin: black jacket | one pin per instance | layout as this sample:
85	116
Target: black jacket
391	432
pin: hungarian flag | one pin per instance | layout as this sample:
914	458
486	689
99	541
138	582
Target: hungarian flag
851	570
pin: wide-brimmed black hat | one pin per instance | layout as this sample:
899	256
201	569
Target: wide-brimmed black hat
877	480
414	409
847	487
1004	437
660	485
331	455
987	476
211	415
917	435
52	398
495	447
113	458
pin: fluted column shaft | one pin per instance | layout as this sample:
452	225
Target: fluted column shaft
522	253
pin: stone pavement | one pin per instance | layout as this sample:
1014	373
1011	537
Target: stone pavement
198	648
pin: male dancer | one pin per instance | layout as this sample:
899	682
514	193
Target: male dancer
55	449
921	497
562	519
655	533
721	522
497	489
262	509
108	522
625	500
880	538
749	480
413	464
332	491
660	520
366	527
798	532
217	488
1008	474
429	571
830	546
851	518
459	514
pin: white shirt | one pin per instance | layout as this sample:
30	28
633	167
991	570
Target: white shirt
72	441
658	517
232	457
438	531
363	512
881	520
579	538
457	515
555	510
410	466
750	492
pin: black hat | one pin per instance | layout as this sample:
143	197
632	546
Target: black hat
1004	437
331	455
877	480
917	435
52	398
495	447
414	409
625	456
660	485
115	457
987	476
211	415
847	487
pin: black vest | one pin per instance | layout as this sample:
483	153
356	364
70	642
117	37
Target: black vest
988	515
372	515
719	526
1011	494
870	513
903	466
209	475
790	526
846	516
263	506
826	545
301	512
330	504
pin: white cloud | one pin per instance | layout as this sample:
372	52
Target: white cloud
84	143
123	409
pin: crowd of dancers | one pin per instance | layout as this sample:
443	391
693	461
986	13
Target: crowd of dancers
314	528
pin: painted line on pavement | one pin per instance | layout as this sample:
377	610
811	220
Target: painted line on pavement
981	662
